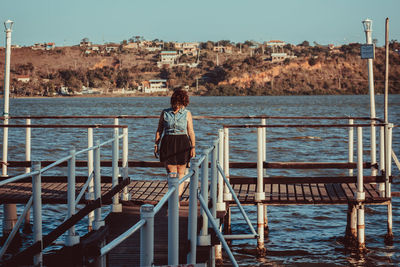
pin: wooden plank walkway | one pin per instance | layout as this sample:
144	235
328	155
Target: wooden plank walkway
152	191
128	252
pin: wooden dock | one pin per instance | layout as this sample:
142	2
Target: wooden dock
278	191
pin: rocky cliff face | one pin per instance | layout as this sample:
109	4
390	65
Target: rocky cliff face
315	70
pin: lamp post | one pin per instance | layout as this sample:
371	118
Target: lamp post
10	210
8	28
367	23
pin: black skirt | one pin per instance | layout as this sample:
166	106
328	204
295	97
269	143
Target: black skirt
175	149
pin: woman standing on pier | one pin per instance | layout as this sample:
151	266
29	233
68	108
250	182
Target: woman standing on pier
175	130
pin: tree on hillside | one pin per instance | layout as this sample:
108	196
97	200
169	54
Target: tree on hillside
304	44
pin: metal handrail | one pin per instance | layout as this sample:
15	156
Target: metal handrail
163	200
236	200
16	227
107	248
301	125
40	171
194	117
54	164
396	160
216	229
19	177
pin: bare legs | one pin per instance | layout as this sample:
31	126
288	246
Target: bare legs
180	169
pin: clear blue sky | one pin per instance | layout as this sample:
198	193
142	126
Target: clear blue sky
324	21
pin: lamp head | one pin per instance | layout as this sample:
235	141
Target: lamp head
367	25
8	25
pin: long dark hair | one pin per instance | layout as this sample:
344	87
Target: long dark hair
179	98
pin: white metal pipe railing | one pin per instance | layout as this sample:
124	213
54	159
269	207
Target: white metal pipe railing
360	194
396	160
37	211
388	159
260	195
220	196
204	239
28	147
381	186
16	227
36	189
147	235
192	220
351	146
98	222
125	168
214	179
116	206
173	220
187	176
216	229
110	246
18	177
90	168
71	238
227	195
246	218
360	170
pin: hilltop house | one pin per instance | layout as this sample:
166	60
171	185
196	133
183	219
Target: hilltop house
23	78
168	58
187	48
223	49
154	86
44	46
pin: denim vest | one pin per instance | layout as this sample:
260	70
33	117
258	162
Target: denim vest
175	124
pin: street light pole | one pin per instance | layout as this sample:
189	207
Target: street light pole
10	210
8	28
368	35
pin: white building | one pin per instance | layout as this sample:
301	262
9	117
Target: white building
168	58
154	86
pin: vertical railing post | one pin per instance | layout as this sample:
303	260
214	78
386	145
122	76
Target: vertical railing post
264	138
260	195
374	170
360	194
27	223
37	212
147	235
116	206
173	220
388	166
214	179
71	238
204	239
125	169
192	220
98	222
388	191
221	206
351	145
227	194
264	153
213	192
381	186
90	191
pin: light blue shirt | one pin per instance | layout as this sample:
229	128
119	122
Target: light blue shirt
175	124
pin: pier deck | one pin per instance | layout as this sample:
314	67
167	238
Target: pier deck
278	191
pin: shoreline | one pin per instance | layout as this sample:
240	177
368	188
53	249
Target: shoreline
141	96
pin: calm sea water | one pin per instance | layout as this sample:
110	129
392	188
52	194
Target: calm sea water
298	234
